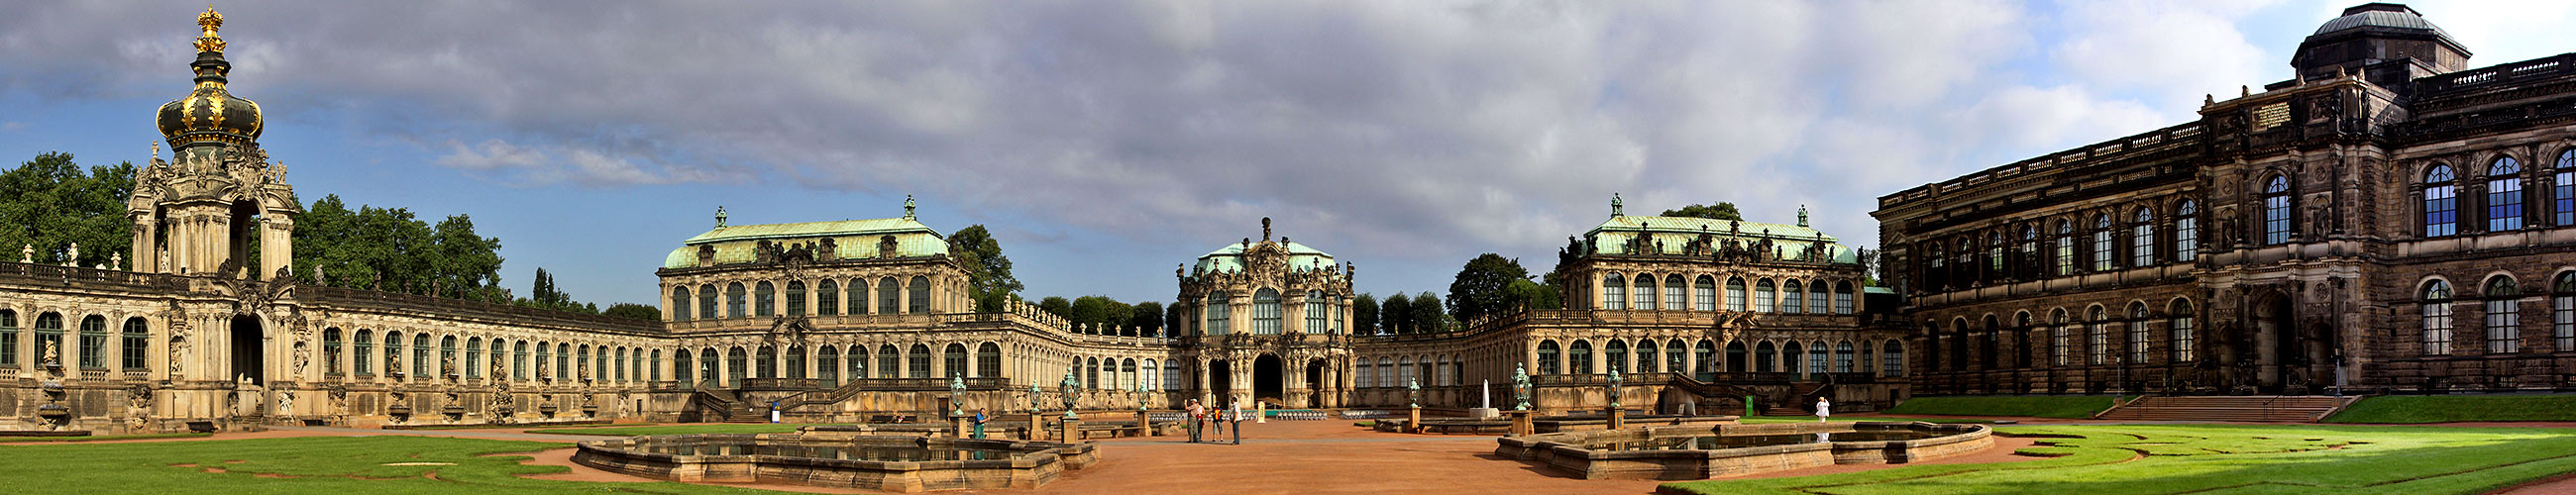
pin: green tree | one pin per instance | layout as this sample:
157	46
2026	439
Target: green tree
1720	211
1478	291
1395	315
1058	305
1532	295
1364	315
1175	320
988	272
1147	319
50	203
635	311
1425	315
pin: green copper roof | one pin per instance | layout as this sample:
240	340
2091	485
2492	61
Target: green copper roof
1677	232
855	239
1230	258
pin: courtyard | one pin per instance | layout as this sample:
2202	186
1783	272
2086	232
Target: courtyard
2036	455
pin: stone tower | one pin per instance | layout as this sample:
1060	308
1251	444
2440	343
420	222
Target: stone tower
218	201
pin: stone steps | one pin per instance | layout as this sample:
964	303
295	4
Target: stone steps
2227	408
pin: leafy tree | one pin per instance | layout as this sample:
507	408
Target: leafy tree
1147	319
1479	290
49	203
1096	311
1532	295
1395	315
1425	315
1061	307
988	272
1720	211
632	310
1364	315
1174	319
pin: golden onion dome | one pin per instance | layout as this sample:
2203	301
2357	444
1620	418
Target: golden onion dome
209	114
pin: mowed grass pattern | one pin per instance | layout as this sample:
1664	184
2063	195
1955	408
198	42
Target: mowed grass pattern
624	431
2441	409
2064	407
345	465
2159	459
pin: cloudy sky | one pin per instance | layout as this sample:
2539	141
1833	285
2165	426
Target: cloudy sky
1107	142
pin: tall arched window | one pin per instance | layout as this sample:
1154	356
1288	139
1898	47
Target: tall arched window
1735	362
889	297
1314	311
2441	202
420	356
1706	353
654	371
1816	297
1704	293
1790	354
920	295
473	357
706	301
1817	355
2142	238
137	339
2097	336
1938	271
1645	291
2181	322
1673	293
2027	258
734	300
709	366
1580	355
331	344
795	298
93	342
1843	297
1216	314
2057	338
2276	210
2022	332
1891	358
1614	291
1547	359
827	298
1763	295
2065	248
2137	333
1734	294
920	362
857	357
988	360
393	354
737	364
8	338
858	296
1994	255
953	357
2102	253
2186	231
2435	301
2504	195
795	362
1793	297
1766	358
680	303
2504	315
2562	311
2563	195
519	360
681	373
827	363
1265	312
563	363
1616	352
764	300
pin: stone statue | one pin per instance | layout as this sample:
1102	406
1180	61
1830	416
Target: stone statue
393	364
73	259
1521	387
1034	396
27	253
1614	388
286	403
116	261
53	356
447	364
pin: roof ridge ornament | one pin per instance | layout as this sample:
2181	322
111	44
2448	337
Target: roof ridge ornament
907	207
720	216
1616	206
1802	215
212	21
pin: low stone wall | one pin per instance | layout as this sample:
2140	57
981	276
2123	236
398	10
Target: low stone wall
1033	463
1567	451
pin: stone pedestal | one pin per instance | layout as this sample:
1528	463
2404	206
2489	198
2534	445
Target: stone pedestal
1484	413
1037	427
1521	426
1072	430
1144	424
1260	412
1618	418
965	425
1413	420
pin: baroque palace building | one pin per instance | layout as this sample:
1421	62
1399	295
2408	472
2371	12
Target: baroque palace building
206	325
2389	219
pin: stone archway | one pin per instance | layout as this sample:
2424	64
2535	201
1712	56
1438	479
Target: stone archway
1220	381
1269	379
1315	384
2277	343
246	341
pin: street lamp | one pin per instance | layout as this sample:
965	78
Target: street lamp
1521	387
1614	388
1067	388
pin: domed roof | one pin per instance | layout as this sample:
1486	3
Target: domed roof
209	114
2380	15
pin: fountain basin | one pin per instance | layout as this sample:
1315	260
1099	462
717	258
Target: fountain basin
1694	452
876	462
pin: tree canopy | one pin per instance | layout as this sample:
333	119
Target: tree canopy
1720	211
1394	315
50	203
1364	315
988	272
1480	289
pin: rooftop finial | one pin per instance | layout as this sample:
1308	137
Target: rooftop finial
1265	229
211	20
1617	207
720	217
907	207
1802	215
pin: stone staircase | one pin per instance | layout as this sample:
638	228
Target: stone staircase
1802	400
2248	408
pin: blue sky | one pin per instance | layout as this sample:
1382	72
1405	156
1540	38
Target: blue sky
1105	143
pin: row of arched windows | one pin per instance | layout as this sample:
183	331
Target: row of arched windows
2499	199
1114	373
134	339
1699	357
1402	371
2061	341
1700	294
556	360
891	296
835	365
1324	314
2500	303
2104	241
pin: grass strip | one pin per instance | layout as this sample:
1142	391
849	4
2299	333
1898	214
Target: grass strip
2064	407
101	438
2444	409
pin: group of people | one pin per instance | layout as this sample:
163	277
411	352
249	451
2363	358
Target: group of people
1201	416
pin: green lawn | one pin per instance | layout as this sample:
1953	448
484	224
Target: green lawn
2157	459
622	431
2044	406
100	438
1812	419
314	465
2439	409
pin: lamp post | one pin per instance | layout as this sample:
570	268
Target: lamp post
1614	388
957	394
1413	392
1520	387
1067	388
1035	396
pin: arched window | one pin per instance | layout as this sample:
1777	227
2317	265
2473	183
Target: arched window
1673	358
621	365
1314	304
2181	322
1706	353
1171	374
1790	354
138	340
1704	293
2504	195
1764	293
1817	356
2441	202
2276	210
2057	338
1843	297
1580	354
420	356
795	361
953	357
988	360
1734	294
706	301
795	298
1614	291
563	363
681	372
920	295
764	300
708	366
1547	359
920	361
827	362
680	303
1645	291
2097	336
1265	312
1735	362
331	343
2102	253
2504	315
1404	372
1994	255
1793	297
2563	197
2137	333
1765	358
889	297
8	338
2562	310
733	300
1673	293
2022	333
858	297
1816	297
827	298
1216	315
519	360
654	371
2027	259
1843	357
2435	301
857	359
2186	231
473	357
1938	271
393	354
1386	372
2065	264
737	364
1891	358
93	342
1126	374
2142	238
1616	354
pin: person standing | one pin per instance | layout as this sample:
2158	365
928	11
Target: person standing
1198	419
979	423
1234	412
1824	410
1216	417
